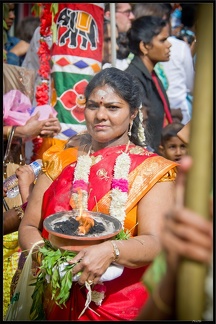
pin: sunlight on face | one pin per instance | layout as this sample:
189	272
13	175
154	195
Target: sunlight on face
107	116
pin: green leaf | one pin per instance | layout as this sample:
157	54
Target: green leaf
123	235
54	8
51	260
5	10
36	10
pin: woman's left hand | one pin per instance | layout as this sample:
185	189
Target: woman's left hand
93	261
51	128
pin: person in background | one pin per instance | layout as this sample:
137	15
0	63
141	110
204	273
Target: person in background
172	147
177	74
148	41
12	217
13	258
15	48
107	46
180	72
113	98
188	30
124	16
176	21
26	27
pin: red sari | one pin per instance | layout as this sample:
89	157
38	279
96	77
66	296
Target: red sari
125	295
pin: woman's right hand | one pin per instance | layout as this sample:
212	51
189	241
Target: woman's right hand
92	261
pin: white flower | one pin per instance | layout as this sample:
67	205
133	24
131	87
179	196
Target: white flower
82	169
119	192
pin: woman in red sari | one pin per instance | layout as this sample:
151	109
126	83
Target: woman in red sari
118	176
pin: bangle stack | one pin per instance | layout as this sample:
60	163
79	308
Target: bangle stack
20	210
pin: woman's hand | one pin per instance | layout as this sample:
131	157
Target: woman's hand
51	127
93	261
26	179
34	127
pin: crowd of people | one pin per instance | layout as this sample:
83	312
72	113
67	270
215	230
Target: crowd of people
130	162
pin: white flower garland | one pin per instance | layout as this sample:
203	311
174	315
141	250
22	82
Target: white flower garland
119	191
141	130
120	188
81	180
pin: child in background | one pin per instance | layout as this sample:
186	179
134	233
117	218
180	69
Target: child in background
172	147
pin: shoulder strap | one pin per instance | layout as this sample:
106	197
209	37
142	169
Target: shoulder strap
7	151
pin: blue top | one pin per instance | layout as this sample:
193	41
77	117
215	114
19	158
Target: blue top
11	57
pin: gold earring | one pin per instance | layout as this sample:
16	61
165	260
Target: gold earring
130	127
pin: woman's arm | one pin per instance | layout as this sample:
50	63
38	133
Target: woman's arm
31	224
34	127
12	219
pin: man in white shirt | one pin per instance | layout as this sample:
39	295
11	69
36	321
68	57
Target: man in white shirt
179	71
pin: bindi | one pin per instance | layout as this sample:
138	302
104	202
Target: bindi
101	94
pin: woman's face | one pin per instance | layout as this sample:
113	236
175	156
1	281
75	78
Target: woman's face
107	117
159	49
11	15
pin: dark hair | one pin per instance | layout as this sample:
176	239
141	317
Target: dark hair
125	85
189	14
123	45
26	28
122	82
169	131
144	29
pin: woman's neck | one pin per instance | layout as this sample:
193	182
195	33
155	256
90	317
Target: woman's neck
96	146
148	63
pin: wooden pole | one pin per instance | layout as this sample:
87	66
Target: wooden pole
113	34
191	275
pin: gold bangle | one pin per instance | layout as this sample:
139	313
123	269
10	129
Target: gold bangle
9	131
116	251
20	211
160	303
